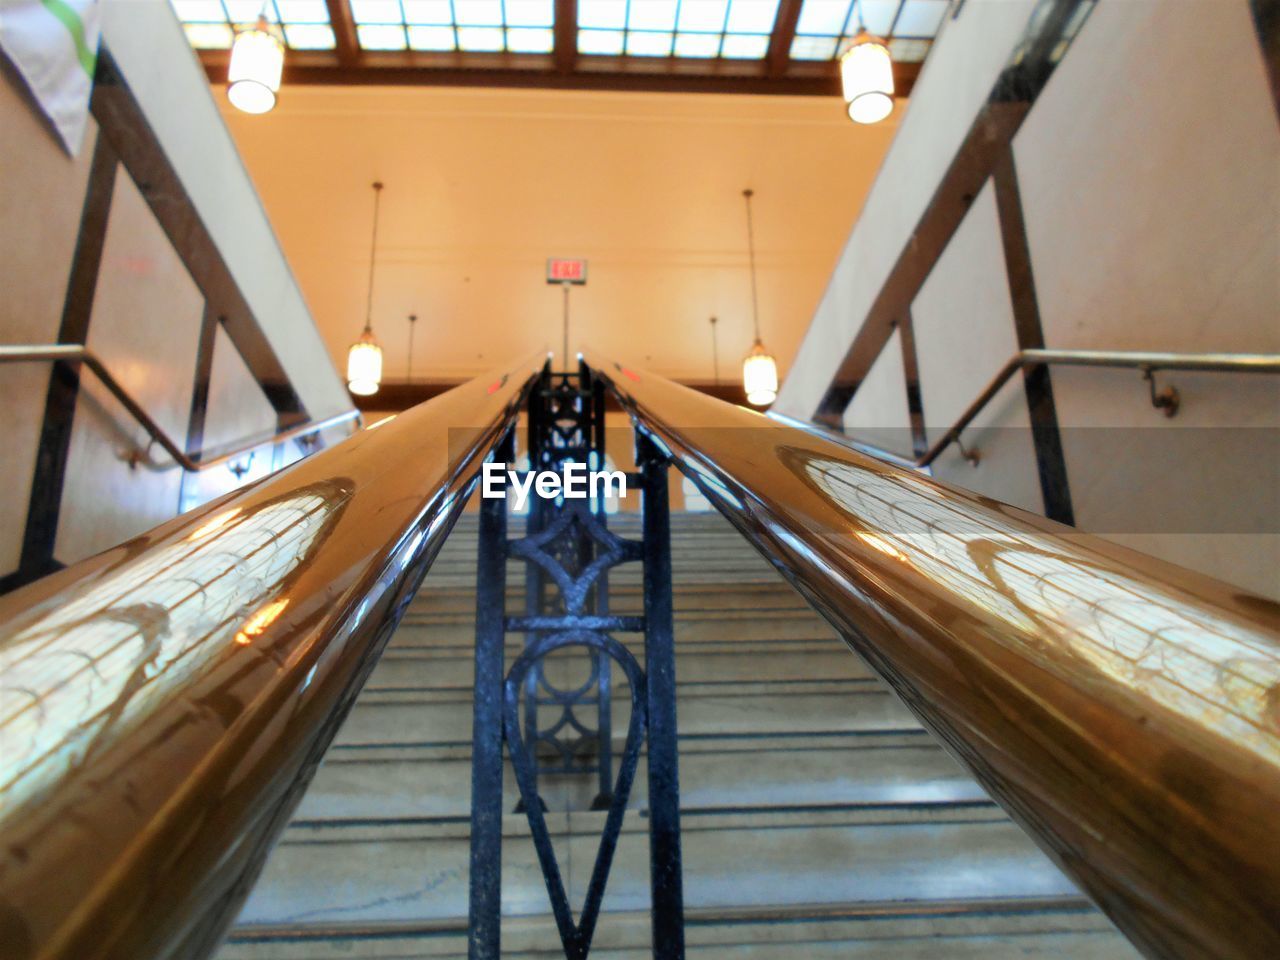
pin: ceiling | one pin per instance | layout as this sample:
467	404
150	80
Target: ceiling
482	185
727	46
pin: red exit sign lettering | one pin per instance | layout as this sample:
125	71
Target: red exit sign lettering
563	270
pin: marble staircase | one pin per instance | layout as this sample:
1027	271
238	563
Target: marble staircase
819	819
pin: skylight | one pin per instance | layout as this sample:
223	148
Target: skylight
703	29
825	27
494	26
211	24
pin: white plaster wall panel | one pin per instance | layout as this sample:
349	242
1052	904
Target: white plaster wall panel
145	326
41	198
173	91
1150	178
1156	225
237	412
953	86
963	323
879	414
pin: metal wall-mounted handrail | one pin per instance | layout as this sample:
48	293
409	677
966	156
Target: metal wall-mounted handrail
193	463
1147	361
1121	709
166	702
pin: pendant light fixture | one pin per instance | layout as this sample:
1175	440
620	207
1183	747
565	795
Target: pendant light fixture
364	359
759	370
257	62
866	74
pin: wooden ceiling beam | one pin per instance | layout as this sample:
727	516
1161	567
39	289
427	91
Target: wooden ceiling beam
784	31
344	32
566	48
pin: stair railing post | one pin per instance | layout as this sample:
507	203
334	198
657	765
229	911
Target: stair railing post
485	911
665	869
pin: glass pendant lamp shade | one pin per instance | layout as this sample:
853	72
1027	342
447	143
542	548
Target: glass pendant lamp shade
257	61
364	365
866	73
760	376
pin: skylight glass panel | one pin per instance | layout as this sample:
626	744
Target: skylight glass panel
200	11
530	13
212	24
909	50
428	13
744	47
602	14
704	45
432	38
380	36
309	36
376	11
478	13
530	40
209	36
472	26
302	11
752	16
813	48
649	44
246	11
485	39
601	42
920	18
703	16
703	29
652	15
825	28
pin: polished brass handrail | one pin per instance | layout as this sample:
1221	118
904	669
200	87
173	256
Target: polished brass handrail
78	353
1149	362
164	704
1122	710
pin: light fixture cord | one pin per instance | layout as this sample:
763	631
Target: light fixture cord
862	26
715	352
751	247
373	249
413	321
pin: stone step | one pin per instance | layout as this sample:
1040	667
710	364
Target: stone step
433	717
457	631
742	773
442	668
1043	928
624	598
416	870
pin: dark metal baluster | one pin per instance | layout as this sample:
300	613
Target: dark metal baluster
665	871
486	731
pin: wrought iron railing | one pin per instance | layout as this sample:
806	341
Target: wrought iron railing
1121	709
75	353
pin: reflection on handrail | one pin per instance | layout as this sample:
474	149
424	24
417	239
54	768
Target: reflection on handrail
1124	711
1149	363
77	353
164	704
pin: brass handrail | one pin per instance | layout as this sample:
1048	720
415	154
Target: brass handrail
78	353
1149	362
1121	709
164	704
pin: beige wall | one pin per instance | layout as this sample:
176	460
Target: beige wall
483	185
41	195
1152	206
146	311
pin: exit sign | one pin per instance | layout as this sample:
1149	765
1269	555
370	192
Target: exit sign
562	270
